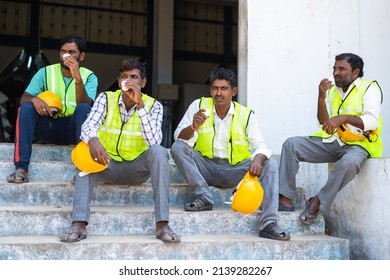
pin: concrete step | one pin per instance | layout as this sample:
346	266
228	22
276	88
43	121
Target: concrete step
62	171
54	220
192	247
40	152
122	220
61	193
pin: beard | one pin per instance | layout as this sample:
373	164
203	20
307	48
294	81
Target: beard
66	67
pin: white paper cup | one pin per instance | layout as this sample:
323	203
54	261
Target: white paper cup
65	55
123	86
207	112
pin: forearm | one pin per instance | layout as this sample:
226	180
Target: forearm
81	93
186	133
322	112
26	97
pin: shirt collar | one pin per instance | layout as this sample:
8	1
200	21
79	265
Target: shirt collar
355	83
121	102
231	109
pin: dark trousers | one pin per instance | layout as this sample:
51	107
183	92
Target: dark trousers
59	131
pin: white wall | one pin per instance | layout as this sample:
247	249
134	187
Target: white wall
287	47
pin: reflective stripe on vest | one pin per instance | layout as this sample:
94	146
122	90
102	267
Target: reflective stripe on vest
238	145
123	141
55	83
353	105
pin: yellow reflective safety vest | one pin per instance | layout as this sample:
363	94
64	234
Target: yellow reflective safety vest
55	83
123	141
353	105
238	145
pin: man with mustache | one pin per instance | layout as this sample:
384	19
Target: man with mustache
76	88
124	133
349	114
217	142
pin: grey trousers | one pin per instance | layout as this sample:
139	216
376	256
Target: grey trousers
152	163
201	172
348	160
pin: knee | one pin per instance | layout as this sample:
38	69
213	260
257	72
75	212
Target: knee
350	166
159	152
289	142
27	108
178	147
82	109
270	168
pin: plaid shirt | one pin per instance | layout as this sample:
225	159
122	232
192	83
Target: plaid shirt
151	122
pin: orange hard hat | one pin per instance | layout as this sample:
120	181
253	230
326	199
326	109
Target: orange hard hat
81	157
346	133
248	195
52	100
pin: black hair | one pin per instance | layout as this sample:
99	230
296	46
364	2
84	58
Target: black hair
131	64
223	74
80	42
354	60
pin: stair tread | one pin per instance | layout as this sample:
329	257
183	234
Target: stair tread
196	238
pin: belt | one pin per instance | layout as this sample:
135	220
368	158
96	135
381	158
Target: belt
220	160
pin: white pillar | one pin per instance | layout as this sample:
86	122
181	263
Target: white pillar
162	43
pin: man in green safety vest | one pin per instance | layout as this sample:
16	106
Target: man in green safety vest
349	116
217	142
123	132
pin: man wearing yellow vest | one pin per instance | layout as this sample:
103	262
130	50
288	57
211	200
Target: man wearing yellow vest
217	142
349	115
124	132
75	88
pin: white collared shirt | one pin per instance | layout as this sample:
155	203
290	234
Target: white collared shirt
256	141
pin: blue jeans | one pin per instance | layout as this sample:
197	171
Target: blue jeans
60	131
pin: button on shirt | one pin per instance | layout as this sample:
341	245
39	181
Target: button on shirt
256	141
151	122
371	108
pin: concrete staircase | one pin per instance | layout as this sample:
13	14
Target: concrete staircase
33	214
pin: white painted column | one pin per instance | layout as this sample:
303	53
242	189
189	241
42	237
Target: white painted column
162	43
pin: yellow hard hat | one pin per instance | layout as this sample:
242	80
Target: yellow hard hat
248	195
83	160
52	100
348	135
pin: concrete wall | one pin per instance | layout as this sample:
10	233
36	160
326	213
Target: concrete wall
361	210
287	47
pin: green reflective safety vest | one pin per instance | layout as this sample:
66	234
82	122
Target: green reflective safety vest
238	145
123	141
55	83
353	105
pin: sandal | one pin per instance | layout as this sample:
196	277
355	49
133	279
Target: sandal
72	230
306	217
283	207
272	231
168	236
18	177
199	204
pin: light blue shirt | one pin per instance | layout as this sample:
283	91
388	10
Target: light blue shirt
38	84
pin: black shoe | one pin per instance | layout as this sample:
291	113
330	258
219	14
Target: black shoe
199	204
